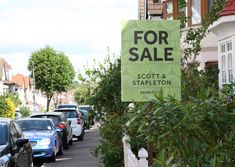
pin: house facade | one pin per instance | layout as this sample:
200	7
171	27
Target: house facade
224	30
6	85
34	100
218	46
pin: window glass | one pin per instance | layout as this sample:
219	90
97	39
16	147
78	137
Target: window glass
230	60
229	46
223	76
210	5
18	130
230	75
71	114
35	125
14	134
222	48
230	71
223	69
169	7
223	61
55	119
196	12
3	132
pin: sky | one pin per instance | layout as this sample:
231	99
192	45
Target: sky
82	29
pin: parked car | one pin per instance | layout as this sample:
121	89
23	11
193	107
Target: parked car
44	138
60	121
15	150
85	117
74	106
76	122
86	107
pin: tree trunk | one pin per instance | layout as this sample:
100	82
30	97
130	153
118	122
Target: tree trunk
48	102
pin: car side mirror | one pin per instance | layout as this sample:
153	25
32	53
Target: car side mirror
21	142
58	130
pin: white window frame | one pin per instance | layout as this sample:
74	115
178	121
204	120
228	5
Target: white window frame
226	61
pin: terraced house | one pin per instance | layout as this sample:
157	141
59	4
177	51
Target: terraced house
218	47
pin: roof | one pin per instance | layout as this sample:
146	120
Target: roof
6	82
7	66
22	81
1	68
229	8
3	65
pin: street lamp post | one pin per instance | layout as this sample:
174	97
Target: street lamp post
34	99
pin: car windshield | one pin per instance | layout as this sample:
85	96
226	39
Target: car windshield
70	114
54	118
87	108
3	132
35	125
67	106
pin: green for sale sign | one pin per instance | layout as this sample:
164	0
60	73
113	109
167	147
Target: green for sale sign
150	59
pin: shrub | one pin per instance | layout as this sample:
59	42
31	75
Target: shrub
7	107
25	111
199	132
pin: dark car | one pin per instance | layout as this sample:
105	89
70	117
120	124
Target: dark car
60	121
15	150
85	118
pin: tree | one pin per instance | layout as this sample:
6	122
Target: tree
81	94
52	70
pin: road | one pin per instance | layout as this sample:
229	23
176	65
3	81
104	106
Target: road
80	153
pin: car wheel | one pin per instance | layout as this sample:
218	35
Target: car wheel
65	142
81	137
31	164
60	152
52	158
71	141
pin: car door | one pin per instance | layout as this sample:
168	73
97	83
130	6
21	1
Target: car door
15	152
26	150
21	155
68	127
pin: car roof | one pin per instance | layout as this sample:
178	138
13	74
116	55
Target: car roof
67	104
25	119
7	120
65	109
47	113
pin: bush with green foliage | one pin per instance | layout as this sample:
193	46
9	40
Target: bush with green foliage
25	111
199	132
7	107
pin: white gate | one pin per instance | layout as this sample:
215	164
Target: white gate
130	159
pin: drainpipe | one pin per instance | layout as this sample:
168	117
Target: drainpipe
145	9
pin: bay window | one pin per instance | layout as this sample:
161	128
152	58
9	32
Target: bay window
226	58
